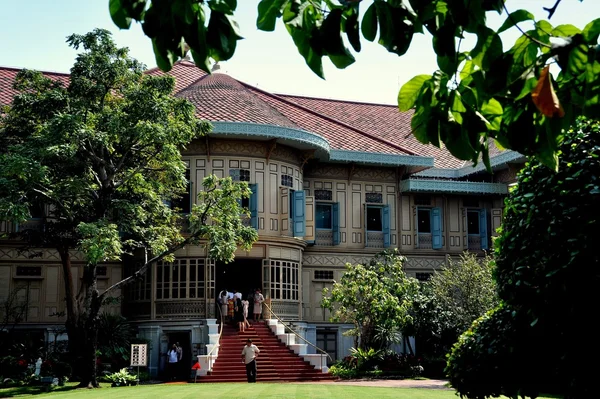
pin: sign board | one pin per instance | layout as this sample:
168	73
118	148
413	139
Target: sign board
139	354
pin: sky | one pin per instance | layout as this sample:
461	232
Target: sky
33	32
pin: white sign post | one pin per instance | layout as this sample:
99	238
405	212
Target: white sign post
139	356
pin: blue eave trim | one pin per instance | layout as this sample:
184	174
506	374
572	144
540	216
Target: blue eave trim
377	158
502	158
315	140
271	131
449	186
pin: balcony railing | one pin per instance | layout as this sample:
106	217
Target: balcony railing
324	238
424	241
375	239
474	242
180	309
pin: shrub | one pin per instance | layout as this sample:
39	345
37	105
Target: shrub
547	270
121	377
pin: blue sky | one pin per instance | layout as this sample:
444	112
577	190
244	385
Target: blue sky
33	32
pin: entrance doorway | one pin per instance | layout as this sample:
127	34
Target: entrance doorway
180	372
242	275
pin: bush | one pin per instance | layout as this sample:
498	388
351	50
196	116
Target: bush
340	370
122	378
547	273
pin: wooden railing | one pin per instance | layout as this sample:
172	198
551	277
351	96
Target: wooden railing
180	308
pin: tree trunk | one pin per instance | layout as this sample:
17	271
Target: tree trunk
82	321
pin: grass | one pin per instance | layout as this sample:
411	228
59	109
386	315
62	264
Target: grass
233	391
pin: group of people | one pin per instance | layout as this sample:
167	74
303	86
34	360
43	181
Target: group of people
235	309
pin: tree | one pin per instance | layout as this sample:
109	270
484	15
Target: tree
103	156
372	296
447	305
547	275
477	94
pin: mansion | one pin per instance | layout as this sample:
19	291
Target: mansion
333	182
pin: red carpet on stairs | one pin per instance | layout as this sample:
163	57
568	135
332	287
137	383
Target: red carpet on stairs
276	361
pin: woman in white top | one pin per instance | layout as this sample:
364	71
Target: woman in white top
173	358
223	303
245	306
258	300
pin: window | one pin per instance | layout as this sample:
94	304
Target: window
184	202
323	216
374	198
424	220
172	279
323	195
374	219
239	174
323	274
429	228
473	222
29	271
287	181
37	210
424	276
284	280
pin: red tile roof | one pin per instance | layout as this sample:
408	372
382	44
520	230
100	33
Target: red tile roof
7	78
347	125
219	97
185	73
385	121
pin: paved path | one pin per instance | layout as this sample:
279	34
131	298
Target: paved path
428	384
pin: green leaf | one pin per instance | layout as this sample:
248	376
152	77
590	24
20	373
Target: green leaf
488	48
410	91
118	14
565	30
268	12
369	23
592	31
311	55
163	60
492	111
514	18
352	29
332	40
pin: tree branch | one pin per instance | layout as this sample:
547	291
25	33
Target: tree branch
552	10
533	39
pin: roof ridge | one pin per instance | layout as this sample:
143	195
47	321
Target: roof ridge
369	135
335	100
9	68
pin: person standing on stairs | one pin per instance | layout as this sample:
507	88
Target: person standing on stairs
245	305
223	303
258	300
238	314
249	355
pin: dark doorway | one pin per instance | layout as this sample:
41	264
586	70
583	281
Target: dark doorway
242	275
182	370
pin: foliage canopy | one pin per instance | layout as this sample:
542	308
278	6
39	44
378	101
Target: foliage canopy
547	275
493	90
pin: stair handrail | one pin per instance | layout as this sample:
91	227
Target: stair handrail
298	335
209	355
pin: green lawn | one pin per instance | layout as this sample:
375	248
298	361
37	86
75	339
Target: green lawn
233	391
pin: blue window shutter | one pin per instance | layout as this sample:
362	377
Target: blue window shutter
483	229
253	205
366	238
299	215
436	228
385	224
335	223
416	221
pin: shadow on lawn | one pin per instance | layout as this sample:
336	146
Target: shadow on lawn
32	390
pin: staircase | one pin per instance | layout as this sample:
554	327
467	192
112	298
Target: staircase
276	362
